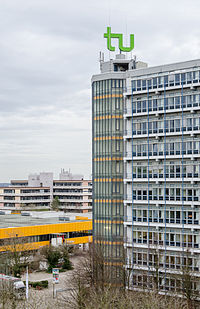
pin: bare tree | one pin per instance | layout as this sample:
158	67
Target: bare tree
16	255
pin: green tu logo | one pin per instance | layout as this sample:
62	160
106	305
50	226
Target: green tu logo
118	36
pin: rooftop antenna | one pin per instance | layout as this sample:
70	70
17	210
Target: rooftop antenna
109	23
126	32
101	59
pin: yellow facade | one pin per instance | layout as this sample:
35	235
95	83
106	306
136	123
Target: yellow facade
45	229
26	231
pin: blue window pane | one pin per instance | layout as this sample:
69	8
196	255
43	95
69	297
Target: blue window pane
138	85
134	85
155	82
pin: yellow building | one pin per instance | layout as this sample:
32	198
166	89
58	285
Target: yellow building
30	231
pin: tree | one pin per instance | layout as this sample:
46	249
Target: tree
16	255
57	256
52	255
90	290
55	204
189	281
66	265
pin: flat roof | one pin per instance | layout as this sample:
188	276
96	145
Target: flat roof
25	187
18	180
17	220
60	180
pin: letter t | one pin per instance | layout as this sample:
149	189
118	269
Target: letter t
108	35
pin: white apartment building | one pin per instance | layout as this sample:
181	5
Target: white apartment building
162	173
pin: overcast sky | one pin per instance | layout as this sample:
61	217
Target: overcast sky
48	52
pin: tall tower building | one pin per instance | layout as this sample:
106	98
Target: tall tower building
146	170
108	166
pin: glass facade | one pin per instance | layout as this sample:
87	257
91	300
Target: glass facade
108	214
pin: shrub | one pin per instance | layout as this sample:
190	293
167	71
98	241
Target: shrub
39	284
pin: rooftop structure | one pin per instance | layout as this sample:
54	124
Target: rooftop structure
26	218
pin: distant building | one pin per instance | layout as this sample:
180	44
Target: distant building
75	195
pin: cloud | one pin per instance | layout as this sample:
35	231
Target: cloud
48	53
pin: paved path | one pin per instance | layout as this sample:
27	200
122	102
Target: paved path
46	295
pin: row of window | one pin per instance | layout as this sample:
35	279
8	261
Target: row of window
166	80
170	239
106	189
9	191
108	211
109	168
45	237
8	198
170	284
107	126
170	261
109	230
168	171
108	106
68	190
27	198
35	191
67	184
171	194
65	204
161	126
168	103
28	191
106	85
172	216
70	197
9	204
30	198
112	251
170	148
108	146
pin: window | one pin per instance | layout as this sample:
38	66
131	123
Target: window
117	103
149	83
177	125
189	77
117	145
177	102
139	85
177	79
171	80
183	78
166	81
117	123
171	125
134	85
117	167
154	82
143	84
144	109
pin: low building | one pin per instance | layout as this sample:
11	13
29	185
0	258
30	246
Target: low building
75	195
33	230
20	197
